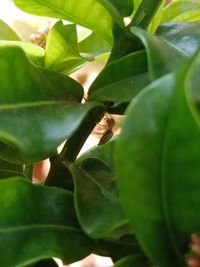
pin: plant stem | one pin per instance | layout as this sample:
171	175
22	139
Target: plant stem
74	144
145	13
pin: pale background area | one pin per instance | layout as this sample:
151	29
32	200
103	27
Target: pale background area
25	24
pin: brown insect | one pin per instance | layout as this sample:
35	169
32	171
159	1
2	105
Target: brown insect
40	38
105	129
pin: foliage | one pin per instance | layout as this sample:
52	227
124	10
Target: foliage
134	198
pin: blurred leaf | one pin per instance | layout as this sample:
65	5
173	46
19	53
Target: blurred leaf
158	172
162	56
41	222
182	10
96	197
39	109
62	46
35	53
157	18
9	170
121	80
88	13
6	33
94	45
133	261
119	248
125	7
184	35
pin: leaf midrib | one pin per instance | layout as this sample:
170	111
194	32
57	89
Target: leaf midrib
47	226
34	104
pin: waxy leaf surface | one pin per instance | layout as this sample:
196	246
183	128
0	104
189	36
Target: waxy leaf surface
40	222
88	13
158	172
39	109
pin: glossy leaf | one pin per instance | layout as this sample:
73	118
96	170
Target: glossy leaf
96	197
103	153
35	53
88	13
41	222
145	13
162	56
159	184
62	46
121	80
6	33
43	103
184	35
182	10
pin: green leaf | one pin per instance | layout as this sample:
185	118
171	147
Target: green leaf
6	33
161	164
88	13
95	46
139	171
124	7
133	261
35	53
162	56
120	248
121	80
96	197
157	18
182	10
145	13
9	170
62	46
39	109
184	35
41	222
103	153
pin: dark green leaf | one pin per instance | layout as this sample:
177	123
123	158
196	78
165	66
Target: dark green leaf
184	35
103	153
96	197
119	248
38	108
45	263
90	14
145	13
162	56
121	80
41	222
133	261
125	7
6	33
159	169
9	170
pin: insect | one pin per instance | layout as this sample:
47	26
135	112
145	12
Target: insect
105	129
40	37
